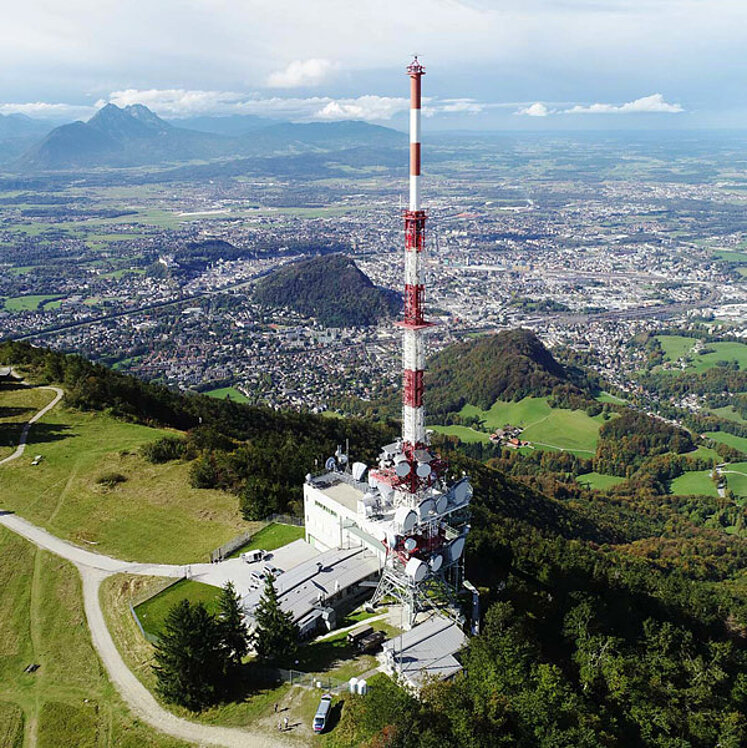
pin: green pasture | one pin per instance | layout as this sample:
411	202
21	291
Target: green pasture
555	428
736	478
738	442
154	515
599	481
677	346
696	482
28	303
68	701
729	413
224	393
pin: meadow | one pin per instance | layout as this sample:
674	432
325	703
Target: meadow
553	428
599	481
228	392
677	346
154	515
68	701
696	482
724	437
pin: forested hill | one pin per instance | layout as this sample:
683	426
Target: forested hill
509	366
331	288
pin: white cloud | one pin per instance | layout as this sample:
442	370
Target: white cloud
298	73
646	104
363	107
177	102
45	110
458	106
538	109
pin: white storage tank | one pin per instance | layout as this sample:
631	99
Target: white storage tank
353	685
362	687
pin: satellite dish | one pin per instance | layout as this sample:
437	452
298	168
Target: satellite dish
402	469
359	470
442	502
436	562
330	465
416	569
411	544
343	458
426	508
405	518
462	492
456	549
423	470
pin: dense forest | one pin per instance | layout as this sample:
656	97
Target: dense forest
331	288
508	366
608	620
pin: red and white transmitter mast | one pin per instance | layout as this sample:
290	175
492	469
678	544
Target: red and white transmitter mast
414	324
419	515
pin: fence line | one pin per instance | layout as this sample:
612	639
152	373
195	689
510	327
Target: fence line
234	544
154	590
317	681
148	637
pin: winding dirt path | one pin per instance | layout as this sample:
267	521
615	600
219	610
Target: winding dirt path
21	448
94	568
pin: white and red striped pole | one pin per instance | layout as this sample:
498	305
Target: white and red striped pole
413	355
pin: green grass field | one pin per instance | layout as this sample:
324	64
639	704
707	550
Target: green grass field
464	433
676	346
152	613
695	482
599	481
17	405
554	428
228	392
68	701
729	414
736	478
28	303
729	256
153	516
606	397
738	442
271	537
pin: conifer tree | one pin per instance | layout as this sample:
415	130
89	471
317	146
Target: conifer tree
189	657
233	630
276	634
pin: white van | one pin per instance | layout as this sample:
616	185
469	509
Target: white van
322	712
251	557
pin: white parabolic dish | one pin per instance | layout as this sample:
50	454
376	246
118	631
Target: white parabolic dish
415	569
405	518
456	548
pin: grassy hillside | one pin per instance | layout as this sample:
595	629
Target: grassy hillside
68	701
154	515
330	288
554	428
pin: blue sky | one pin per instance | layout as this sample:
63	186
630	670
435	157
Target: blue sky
491	63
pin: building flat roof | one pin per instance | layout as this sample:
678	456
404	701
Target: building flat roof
299	589
426	650
342	489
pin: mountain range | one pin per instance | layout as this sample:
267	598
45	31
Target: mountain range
136	136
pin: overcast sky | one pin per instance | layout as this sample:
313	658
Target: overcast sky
490	63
